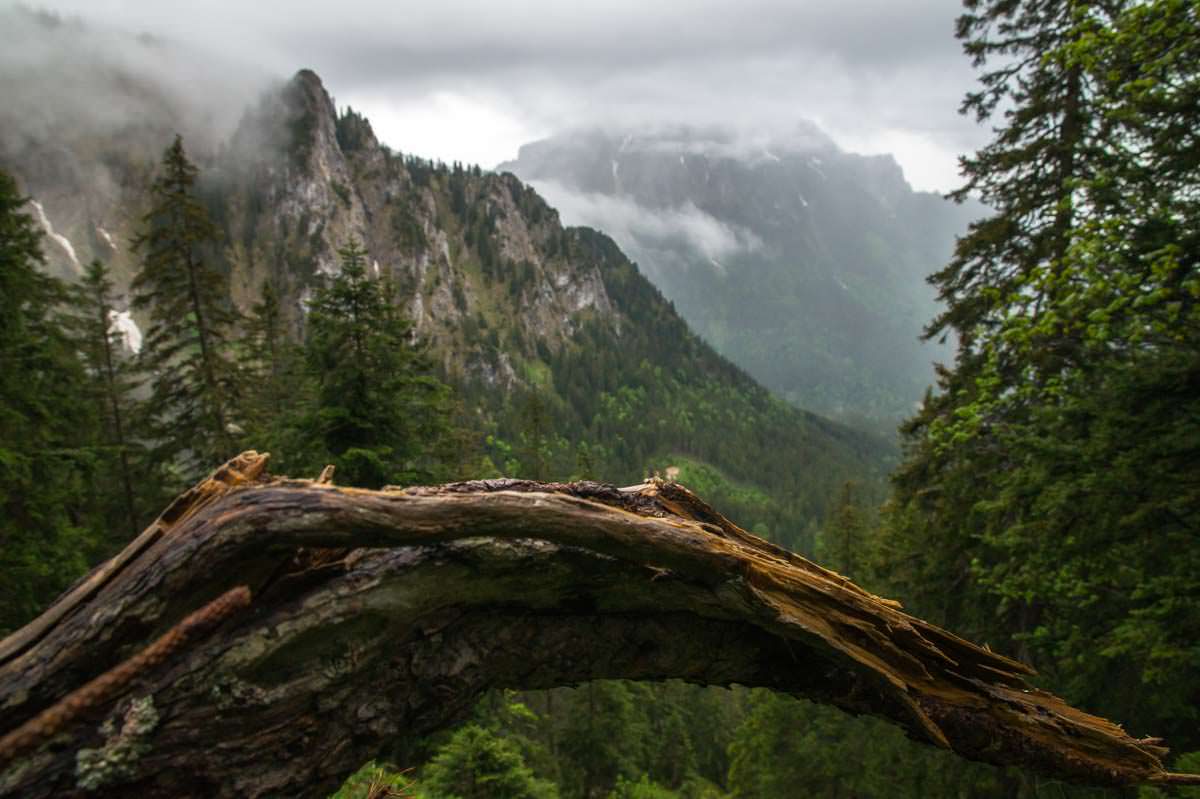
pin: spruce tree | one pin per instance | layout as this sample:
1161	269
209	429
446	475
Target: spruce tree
1026	174
380	417
845	537
187	344
46	529
1048	500
477	764
274	386
113	379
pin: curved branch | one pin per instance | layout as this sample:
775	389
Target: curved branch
380	616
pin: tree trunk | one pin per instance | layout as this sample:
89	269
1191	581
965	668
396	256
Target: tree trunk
346	621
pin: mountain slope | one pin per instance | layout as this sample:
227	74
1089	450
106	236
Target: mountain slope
578	363
801	263
569	360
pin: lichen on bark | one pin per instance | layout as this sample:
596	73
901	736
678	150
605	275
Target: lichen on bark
116	760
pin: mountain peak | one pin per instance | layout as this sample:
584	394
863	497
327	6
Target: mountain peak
296	120
310	83
306	94
713	142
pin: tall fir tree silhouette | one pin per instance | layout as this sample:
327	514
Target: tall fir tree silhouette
187	345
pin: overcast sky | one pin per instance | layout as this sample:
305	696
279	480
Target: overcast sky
472	80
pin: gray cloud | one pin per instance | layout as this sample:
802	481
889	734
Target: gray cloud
635	227
873	73
62	79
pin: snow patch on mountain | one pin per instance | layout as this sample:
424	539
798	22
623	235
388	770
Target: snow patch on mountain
122	324
59	239
108	239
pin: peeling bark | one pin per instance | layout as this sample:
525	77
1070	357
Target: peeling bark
379	617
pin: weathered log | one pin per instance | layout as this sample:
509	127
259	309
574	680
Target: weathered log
378	617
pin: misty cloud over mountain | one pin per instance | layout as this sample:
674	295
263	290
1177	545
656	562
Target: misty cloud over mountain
800	262
879	76
63	77
88	107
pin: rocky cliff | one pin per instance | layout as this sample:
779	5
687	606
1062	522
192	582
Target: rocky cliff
469	252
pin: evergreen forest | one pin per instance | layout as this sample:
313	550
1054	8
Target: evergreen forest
1044	498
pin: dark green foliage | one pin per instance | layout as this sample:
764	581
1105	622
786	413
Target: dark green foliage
409	233
187	346
617	738
113	378
1049	501
46	416
788	747
353	131
536	439
845	542
378	414
604	732
274	380
476	764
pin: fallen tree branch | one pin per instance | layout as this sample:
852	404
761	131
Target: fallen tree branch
380	616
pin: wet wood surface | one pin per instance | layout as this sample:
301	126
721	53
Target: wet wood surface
269	635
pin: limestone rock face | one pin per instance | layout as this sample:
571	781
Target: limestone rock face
466	251
478	261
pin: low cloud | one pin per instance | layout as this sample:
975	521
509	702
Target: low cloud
66	79
645	233
873	74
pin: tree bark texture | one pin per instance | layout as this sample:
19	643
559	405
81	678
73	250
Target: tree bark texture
268	636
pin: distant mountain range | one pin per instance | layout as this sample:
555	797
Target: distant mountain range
801	263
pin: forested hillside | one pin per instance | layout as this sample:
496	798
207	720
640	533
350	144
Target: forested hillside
1051	480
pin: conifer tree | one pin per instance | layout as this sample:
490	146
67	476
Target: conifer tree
112	382
536	437
844	540
476	764
380	417
187	345
274	385
1048	501
1026	174
265	339
46	533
